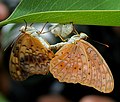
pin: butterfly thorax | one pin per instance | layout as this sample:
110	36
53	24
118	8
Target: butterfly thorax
29	30
80	36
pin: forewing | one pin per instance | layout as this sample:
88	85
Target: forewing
100	76
34	57
69	63
16	72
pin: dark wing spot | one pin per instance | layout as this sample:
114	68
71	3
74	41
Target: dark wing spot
61	65
22	59
61	52
26	58
30	58
17	48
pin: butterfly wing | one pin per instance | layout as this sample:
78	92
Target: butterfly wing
73	63
16	72
34	57
69	63
100	76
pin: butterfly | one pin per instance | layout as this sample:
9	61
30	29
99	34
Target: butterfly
61	30
30	55
80	62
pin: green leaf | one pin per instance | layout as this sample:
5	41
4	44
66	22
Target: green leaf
86	12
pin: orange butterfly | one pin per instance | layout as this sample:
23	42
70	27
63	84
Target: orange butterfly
30	55
80	62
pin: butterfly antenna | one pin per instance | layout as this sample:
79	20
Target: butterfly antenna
75	31
101	43
43	28
25	24
31	24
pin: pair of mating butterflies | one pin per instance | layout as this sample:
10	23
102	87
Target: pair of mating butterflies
77	61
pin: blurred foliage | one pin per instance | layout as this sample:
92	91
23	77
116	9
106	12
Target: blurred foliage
2	98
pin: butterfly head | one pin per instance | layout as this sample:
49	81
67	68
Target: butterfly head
83	36
28	29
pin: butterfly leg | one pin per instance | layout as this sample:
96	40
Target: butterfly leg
61	38
75	31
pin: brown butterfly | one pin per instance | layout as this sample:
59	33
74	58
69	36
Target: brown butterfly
29	55
80	62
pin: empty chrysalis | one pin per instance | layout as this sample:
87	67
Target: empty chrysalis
61	30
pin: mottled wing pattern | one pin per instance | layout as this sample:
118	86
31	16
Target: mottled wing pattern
100	76
69	63
33	56
80	62
16	72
